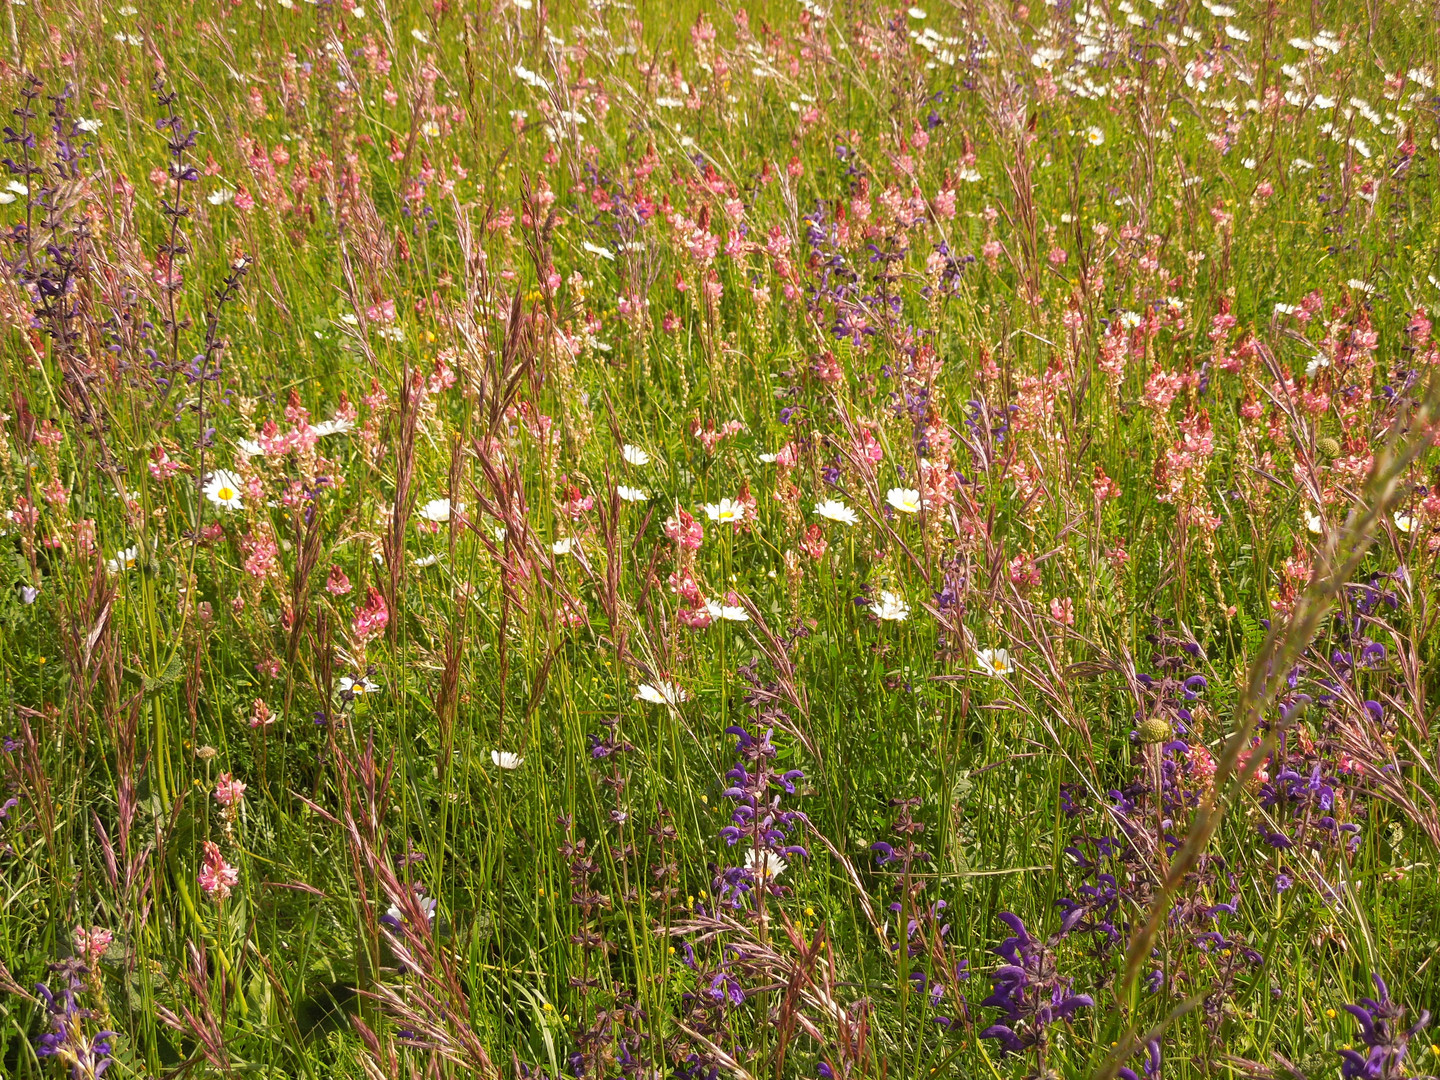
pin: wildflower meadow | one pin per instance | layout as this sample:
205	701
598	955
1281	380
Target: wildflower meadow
733	540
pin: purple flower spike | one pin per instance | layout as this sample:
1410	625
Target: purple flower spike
1380	1031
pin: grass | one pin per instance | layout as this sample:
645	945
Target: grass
330	335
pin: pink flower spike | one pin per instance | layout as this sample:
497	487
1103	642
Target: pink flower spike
217	877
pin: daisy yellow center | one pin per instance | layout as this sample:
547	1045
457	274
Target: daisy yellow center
225	494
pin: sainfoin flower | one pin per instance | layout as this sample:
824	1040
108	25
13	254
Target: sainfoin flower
835	510
228	791
337	584
685	530
216	877
91	944
372	617
223	489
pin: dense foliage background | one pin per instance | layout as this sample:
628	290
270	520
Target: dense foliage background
697	540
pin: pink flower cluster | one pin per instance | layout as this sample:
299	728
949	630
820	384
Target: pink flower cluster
372	617
216	877
228	790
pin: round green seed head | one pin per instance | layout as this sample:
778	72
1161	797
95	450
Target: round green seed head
1154	730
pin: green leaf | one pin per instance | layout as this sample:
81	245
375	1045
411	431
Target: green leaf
172	673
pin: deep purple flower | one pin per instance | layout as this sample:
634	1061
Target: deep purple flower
1029	991
88	1055
724	987
1379	1021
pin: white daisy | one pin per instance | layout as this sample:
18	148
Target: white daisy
334	426
835	510
223	489
634	455
125	559
506	760
891	607
435	510
726	510
728	612
765	864
662	693
428	905
631	494
1405	522
994	662
906	500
